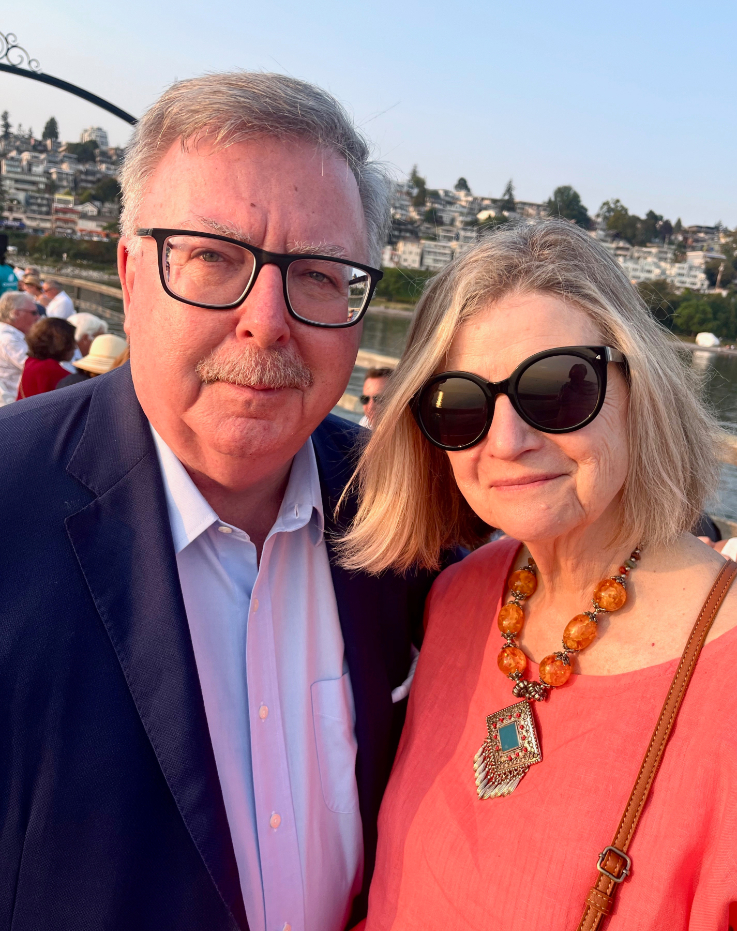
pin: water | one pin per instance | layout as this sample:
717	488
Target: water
385	332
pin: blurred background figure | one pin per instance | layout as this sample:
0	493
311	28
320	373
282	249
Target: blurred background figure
122	358
86	328
18	314
104	354
8	279
50	342
31	284
59	304
373	386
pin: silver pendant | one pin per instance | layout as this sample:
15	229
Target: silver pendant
511	748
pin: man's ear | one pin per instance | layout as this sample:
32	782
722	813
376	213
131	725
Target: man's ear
127	275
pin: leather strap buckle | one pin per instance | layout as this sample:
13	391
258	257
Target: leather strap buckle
620	853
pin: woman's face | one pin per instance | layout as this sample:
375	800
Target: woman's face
533	485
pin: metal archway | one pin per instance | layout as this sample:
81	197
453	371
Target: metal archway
15	60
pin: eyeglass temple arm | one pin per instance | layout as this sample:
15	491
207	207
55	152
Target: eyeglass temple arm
613	355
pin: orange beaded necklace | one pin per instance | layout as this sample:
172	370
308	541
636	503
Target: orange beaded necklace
512	745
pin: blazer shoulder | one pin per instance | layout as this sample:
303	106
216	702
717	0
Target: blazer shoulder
338	444
45	426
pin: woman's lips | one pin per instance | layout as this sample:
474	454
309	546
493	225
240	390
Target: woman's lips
526	482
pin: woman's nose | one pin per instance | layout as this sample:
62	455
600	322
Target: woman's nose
509	436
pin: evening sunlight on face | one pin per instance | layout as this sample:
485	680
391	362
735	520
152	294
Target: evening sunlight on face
534	485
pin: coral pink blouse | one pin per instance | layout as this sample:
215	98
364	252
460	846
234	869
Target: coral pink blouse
450	862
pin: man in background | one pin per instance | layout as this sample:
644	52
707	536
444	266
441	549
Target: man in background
59	303
374	385
8	278
17	315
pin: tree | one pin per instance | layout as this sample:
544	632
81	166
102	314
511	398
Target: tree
647	229
619	220
677	227
462	185
566	203
51	129
665	230
507	202
107	191
721	271
661	298
85	151
694	316
420	187
431	215
5	122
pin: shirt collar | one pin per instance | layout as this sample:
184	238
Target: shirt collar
190	514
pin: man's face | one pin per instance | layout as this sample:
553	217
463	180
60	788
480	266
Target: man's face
49	292
25	316
282	197
373	388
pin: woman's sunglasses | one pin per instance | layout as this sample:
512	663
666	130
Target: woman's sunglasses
556	391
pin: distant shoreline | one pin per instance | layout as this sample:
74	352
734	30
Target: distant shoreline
721	350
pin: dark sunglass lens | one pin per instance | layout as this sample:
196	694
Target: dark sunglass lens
559	392
453	411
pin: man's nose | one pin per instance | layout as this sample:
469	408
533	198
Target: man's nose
263	316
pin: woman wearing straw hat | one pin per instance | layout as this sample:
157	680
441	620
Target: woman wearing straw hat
100	359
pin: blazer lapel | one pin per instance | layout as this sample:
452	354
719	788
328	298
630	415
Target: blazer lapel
123	543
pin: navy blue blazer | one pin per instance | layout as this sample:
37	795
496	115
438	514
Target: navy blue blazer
111	814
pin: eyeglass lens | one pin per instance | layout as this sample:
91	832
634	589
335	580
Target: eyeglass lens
213	273
557	392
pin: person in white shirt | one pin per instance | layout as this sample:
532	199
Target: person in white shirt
59	302
201	705
18	313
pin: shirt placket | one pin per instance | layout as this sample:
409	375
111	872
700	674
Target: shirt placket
277	832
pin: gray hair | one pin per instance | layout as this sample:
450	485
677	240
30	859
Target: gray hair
408	485
87	325
53	283
12	301
240	105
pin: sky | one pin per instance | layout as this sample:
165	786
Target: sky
633	100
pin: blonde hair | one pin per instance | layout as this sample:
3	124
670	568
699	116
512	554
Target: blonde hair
232	107
410	508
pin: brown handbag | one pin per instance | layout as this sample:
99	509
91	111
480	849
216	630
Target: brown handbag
614	865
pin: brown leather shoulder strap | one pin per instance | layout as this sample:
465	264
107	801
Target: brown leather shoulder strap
614	864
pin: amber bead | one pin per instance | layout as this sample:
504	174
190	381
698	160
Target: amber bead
580	632
511	660
523	581
554	671
610	595
511	619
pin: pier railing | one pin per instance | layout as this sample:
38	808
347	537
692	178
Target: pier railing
93	297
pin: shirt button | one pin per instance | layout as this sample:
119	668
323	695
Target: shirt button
254	605
274	820
263	712
225	529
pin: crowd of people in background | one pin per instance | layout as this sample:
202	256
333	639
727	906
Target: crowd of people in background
44	343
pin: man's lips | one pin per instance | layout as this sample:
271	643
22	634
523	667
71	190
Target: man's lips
526	481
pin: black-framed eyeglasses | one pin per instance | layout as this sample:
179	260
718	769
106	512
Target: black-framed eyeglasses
217	273
376	398
555	391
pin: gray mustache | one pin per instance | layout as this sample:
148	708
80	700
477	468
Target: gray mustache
263	368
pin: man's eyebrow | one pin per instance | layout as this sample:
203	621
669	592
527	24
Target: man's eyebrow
225	229
318	248
300	247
